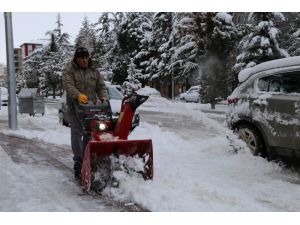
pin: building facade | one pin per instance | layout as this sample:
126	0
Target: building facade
18	59
3	75
28	48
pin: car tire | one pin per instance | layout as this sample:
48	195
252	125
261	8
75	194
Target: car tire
252	137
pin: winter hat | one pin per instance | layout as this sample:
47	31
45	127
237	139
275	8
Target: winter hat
80	52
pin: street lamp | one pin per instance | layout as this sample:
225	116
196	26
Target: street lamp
173	45
12	104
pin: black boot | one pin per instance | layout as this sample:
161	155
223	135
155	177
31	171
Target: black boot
77	170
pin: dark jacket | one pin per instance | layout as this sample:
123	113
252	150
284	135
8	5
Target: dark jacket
83	81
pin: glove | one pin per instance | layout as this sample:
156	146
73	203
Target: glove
83	99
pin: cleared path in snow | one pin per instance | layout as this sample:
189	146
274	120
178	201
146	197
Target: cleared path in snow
38	176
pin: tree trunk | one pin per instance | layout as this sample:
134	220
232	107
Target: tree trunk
213	105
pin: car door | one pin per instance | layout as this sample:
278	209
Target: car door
281	108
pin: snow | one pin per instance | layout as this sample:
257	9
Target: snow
224	17
195	170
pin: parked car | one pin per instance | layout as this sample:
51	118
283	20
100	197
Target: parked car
265	108
149	91
192	95
4	96
115	98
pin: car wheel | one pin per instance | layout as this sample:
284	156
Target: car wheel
251	136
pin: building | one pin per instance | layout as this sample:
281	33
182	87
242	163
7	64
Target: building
18	59
3	75
24	51
28	48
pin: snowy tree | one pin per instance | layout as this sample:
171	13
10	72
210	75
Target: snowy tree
131	43
220	33
31	70
133	39
132	83
294	49
53	60
107	48
86	37
293	33
159	47
262	43
187	42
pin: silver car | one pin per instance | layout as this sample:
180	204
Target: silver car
265	108
192	95
3	96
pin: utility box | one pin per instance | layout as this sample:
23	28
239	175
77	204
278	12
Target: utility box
30	102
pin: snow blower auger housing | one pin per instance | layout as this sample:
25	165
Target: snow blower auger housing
106	137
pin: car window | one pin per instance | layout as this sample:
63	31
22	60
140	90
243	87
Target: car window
3	91
114	93
285	83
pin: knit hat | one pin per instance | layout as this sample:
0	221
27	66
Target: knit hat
80	52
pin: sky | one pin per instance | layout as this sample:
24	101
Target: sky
30	26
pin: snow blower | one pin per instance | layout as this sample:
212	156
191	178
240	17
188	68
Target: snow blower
106	141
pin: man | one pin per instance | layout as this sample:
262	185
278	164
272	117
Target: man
81	82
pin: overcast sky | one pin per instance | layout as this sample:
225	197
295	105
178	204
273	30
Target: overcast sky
30	26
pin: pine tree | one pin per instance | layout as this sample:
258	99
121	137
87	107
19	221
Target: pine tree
131	44
132	83
187	42
262	43
159	47
31	70
220	38
53	60
108	54
86	37
293	32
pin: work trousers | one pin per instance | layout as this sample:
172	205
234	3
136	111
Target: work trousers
76	138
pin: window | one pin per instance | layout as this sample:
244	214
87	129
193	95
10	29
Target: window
284	83
114	93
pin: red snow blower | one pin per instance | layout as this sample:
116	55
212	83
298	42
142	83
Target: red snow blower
106	137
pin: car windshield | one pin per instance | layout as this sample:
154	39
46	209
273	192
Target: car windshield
114	93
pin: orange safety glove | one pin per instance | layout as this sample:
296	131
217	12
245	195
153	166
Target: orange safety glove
83	99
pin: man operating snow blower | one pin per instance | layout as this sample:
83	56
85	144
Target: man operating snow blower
99	140
82	82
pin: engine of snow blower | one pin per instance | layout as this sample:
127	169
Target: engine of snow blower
105	137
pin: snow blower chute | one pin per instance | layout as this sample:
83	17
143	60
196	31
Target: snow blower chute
106	137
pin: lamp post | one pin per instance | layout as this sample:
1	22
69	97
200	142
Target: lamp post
12	104
173	45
